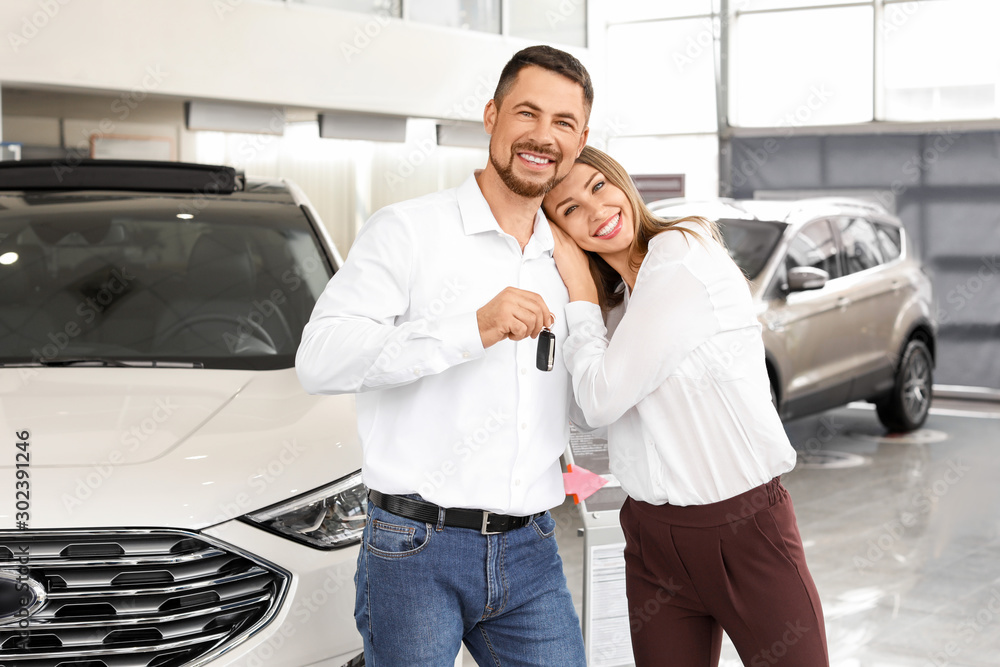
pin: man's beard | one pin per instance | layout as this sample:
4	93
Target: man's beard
521	187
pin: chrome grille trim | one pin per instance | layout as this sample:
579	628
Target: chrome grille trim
221	596
152	560
120	621
162	590
74	652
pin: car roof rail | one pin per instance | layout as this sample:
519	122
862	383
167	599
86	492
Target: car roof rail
845	201
138	175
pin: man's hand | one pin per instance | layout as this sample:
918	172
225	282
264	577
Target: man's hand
515	314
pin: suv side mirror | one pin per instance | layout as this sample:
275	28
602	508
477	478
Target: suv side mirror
803	278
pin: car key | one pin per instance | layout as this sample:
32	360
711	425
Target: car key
546	350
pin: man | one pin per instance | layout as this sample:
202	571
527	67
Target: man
433	319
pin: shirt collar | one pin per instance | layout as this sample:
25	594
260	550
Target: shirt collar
477	217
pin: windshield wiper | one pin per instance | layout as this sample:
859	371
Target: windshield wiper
106	361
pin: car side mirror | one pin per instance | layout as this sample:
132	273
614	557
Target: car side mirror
803	278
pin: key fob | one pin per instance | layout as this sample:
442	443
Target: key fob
546	350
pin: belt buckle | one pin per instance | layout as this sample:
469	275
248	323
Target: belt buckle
486	521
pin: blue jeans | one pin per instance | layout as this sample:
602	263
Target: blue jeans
422	589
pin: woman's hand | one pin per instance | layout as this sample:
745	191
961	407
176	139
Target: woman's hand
573	265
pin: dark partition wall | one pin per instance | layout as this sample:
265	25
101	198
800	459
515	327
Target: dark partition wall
944	185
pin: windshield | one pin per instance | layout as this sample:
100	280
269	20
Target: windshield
750	243
214	283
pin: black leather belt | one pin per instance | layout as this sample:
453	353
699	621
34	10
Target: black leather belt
418	510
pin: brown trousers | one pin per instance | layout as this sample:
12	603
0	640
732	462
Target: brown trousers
736	565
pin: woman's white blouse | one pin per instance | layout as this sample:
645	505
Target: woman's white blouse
682	384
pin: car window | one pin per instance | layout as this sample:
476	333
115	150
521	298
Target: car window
133	278
861	246
890	240
750	243
814	246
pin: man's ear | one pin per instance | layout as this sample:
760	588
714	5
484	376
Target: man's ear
490	117
583	140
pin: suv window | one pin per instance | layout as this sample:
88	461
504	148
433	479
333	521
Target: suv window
814	246
131	277
861	246
750	242
890	239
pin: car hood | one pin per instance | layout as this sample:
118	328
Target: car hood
117	447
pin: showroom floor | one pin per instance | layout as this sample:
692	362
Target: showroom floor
902	535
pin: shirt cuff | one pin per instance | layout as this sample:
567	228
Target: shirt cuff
584	316
461	333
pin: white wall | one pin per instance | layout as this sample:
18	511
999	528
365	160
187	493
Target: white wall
253	50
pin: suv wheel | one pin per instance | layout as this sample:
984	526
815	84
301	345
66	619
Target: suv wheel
905	408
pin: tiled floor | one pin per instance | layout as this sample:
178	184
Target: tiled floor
902	536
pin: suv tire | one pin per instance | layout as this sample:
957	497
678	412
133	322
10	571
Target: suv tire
905	408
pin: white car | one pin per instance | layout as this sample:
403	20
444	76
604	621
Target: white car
169	494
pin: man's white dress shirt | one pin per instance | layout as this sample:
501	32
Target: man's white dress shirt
438	414
682	383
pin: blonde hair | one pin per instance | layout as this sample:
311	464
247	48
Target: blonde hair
610	286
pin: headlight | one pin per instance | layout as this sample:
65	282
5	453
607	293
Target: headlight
330	517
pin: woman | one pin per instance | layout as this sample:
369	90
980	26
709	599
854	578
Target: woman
711	538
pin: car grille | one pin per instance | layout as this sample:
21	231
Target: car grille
136	598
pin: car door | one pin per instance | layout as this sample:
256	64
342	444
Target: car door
874	304
805	328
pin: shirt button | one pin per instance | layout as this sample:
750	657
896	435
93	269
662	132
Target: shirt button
524	425
524	371
517	482
465	355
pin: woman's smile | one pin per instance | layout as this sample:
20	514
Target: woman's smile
610	228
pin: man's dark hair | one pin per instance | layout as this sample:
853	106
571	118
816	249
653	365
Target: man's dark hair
548	58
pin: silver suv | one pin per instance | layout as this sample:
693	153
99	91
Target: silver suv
844	302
